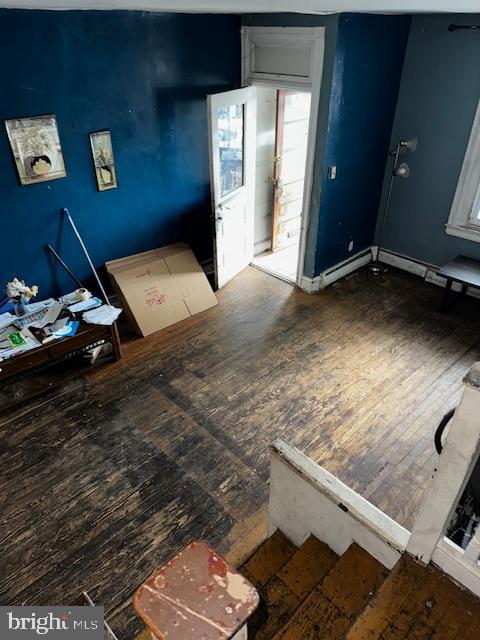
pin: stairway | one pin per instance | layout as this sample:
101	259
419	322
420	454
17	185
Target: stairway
310	593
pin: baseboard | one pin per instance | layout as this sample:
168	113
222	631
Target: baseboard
344	268
338	271
425	270
310	285
404	262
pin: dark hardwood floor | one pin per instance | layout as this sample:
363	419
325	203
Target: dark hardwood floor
110	474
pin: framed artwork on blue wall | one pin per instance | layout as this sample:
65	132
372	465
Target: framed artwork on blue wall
36	148
103	160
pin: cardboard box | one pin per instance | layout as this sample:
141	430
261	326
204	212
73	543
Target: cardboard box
161	287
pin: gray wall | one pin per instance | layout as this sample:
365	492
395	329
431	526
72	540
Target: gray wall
439	92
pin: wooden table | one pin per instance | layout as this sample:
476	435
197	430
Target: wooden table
87	337
465	271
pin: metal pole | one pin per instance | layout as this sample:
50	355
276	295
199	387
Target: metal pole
105	623
62	263
79	238
389	195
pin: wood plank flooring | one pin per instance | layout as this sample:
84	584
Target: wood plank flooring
109	475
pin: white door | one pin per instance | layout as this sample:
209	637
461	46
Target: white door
231	117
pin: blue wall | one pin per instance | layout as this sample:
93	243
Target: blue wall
368	64
145	77
439	93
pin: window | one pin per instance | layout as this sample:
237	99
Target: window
464	219
230	146
291	55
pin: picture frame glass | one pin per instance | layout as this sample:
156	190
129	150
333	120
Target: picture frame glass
36	148
103	160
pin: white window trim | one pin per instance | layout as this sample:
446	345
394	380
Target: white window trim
467	195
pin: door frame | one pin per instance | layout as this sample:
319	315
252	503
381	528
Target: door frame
285	36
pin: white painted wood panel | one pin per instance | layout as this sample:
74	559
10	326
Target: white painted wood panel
453	470
305	499
266	118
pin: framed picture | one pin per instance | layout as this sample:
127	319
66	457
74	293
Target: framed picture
36	148
103	160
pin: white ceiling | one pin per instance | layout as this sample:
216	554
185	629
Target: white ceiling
257	6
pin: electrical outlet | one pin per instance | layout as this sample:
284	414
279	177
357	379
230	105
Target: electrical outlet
332	172
350	245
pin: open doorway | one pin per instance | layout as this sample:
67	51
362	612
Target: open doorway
283	118
261	174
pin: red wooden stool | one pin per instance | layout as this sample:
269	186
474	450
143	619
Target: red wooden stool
196	596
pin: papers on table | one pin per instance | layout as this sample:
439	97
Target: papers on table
69	298
52	314
105	315
30	318
61	329
33	307
84	305
6	319
14	342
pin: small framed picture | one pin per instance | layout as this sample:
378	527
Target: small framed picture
36	148
103	160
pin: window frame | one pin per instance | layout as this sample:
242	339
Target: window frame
467	194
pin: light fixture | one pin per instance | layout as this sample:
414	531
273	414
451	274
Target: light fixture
401	170
409	145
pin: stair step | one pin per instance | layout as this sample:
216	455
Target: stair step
277	605
331	607
283	593
308	565
418	602
268	559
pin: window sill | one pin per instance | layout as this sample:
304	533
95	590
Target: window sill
463	232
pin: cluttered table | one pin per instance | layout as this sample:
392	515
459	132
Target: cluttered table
52	331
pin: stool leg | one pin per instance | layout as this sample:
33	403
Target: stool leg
446	295
242	634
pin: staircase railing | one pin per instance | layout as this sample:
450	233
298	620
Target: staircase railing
456	463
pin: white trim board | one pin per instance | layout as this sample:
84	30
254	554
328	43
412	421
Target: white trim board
400	261
451	560
272	272
338	271
306	499
422	269
257	6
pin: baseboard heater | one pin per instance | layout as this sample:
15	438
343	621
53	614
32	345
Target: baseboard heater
346	267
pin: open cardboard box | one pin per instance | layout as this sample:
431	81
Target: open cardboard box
161	287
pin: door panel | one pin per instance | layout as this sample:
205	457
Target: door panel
231	117
293	115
